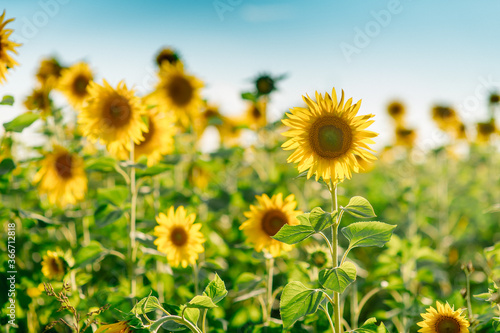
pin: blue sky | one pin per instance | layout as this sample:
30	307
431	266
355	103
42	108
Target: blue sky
424	52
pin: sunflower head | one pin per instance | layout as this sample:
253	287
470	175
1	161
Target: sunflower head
167	55
485	131
443	320
179	237
39	100
405	137
256	114
396	110
445	117
265	84
53	265
494	98
113	116
319	256
266	218
461	131
62	177
6	47
49	71
74	83
327	136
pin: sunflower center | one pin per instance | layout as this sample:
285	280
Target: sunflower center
118	112
265	85
256	112
444	112
330	137
39	100
80	85
447	325
54	266
179	236
180	90
169	57
272	222
64	166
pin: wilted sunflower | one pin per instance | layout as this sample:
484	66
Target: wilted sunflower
179	237
62	177
405	137
6	46
179	92
266	219
255	115
445	117
49	71
444	320
485	131
397	111
39	100
167	55
327	136
53	265
113	116
74	82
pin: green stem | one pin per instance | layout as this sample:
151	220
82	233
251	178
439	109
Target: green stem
469	304
204	321
336	296
133	209
354	305
270	268
325	310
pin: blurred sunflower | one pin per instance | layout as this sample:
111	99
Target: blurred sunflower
6	45
230	132
266	219
179	92
461	131
49	71
179	237
210	116
397	111
255	115
485	131
39	100
53	265
444	320
327	136
266	84
113	116
494	98
319	255
62	177
167	55
405	137
74	82
445	117
158	139
199	177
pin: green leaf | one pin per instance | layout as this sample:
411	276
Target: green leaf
7	100
21	122
292	234
248	96
370	326
337	279
216	289
88	254
298	301
359	207
115	195
368	233
6	166
153	171
163	322
104	215
320	220
201	302
104	164
304	219
246	280
146	305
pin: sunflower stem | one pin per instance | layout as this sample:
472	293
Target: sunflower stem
325	310
270	267
469	304
133	208
336	296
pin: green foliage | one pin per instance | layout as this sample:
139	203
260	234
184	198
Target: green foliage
293	234
298	301
368	234
7	100
19	123
338	278
359	207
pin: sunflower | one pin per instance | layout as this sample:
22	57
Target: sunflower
119	327
445	117
229	132
327	136
485	131
113	116
319	255
444	320
210	116
74	82
167	55
62	177
39	100
199	177
494	98
364	165
255	115
6	45
53	265
49	71
266	219
397	111
179	92
158	139
405	137
265	84
179	237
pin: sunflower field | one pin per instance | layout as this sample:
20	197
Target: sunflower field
117	222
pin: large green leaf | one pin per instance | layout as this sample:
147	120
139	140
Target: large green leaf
21	122
368	233
7	100
201	302
104	164
337	279
359	207
106	214
146	305
115	195
88	254
6	166
298	301
216	289
293	234
320	220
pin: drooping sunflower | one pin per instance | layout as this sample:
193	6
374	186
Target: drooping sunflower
405	137
179	92
255	116
397	111
443	320
179	237
39	100
158	139
327	136
62	177
74	83
6	46
113	116
266	219
49	71
167	55
53	265
445	117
